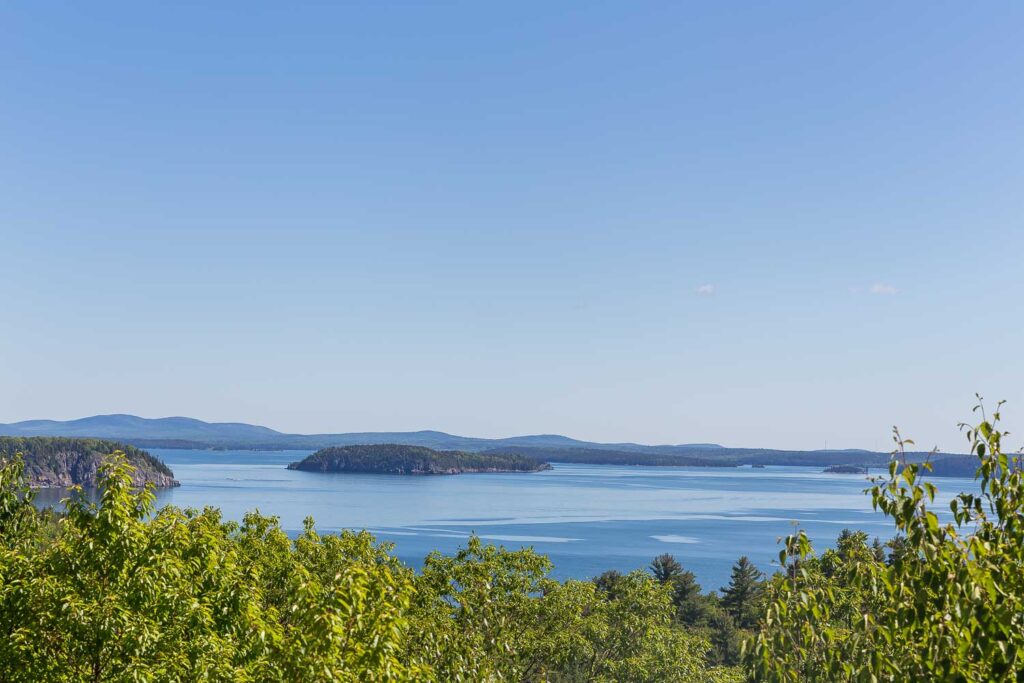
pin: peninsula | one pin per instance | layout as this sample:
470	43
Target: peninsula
399	459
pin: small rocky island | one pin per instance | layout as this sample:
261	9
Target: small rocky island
398	459
845	469
57	462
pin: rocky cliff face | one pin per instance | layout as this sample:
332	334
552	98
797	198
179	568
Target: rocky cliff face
75	467
63	462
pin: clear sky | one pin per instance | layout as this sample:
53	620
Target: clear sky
769	224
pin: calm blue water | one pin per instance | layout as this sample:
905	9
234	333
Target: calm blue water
586	518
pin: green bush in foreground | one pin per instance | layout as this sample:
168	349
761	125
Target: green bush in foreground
948	605
118	591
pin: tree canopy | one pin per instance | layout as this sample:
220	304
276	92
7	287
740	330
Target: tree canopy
946	605
119	591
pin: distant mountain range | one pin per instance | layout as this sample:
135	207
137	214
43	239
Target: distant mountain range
186	432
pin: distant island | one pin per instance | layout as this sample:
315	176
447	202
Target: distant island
845	469
399	459
56	462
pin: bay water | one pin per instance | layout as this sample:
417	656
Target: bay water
586	518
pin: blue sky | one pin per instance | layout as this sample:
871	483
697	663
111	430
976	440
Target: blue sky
761	225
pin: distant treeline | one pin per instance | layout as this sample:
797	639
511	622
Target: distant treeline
700	457
224	445
176	443
944	464
594	456
953	466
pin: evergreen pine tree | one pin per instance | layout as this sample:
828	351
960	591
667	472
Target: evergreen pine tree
692	607
739	598
666	568
878	550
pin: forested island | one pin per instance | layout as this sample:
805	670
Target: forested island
58	462
398	459
845	469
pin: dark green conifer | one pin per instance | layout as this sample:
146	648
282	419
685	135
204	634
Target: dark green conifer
665	568
741	596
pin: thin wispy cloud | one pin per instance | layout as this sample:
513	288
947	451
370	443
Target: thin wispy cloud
706	290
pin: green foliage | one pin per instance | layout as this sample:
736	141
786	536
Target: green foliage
666	568
946	605
473	610
491	614
119	591
586	634
124	593
700	613
742	596
398	459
